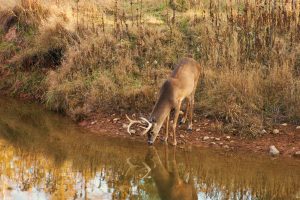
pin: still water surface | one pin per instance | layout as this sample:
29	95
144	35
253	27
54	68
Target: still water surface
45	156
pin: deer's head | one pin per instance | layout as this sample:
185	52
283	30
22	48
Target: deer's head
151	127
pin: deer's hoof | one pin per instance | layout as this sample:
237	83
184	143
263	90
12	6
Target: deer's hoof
182	121
164	139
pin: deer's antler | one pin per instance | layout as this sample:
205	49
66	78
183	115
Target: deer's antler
146	128
131	122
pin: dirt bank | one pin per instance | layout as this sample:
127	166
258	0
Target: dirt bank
287	141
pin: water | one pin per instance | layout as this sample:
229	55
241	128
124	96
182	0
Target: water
45	156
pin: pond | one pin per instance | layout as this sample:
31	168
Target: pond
44	155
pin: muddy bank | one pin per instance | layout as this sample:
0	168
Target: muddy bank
204	134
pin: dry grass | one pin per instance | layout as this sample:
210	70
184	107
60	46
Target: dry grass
96	57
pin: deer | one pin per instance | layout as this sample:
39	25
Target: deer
166	176
181	85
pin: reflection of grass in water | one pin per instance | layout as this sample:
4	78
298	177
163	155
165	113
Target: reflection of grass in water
52	145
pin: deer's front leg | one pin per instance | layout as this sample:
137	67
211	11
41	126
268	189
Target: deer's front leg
177	111
165	139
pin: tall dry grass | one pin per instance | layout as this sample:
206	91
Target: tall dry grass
95	56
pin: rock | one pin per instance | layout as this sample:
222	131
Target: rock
195	120
213	143
83	123
264	131
226	146
221	143
273	150
227	137
276	131
231	141
181	136
93	122
205	138
132	131
298	127
116	119
217	139
212	137
124	125
297	154
284	124
198	129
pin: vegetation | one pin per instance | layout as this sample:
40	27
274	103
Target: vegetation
81	57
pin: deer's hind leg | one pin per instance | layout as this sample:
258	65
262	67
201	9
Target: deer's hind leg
184	118
191	111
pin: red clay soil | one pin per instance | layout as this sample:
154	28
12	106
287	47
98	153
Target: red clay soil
287	141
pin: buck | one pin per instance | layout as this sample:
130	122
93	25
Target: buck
179	86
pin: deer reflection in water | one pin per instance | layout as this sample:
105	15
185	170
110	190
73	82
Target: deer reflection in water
166	176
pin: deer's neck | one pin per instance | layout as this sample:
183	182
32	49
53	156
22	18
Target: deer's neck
160	112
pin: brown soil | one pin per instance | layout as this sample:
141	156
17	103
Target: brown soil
287	141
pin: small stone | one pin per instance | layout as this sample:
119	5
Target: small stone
263	131
221	143
116	119
124	125
227	137
212	137
195	120
83	123
232	141
132	131
213	143
298	127
273	150
276	131
198	129
205	138
181	136
205	124
297	154
284	124
226	146
93	122
217	139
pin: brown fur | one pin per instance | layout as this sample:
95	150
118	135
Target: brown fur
180	85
